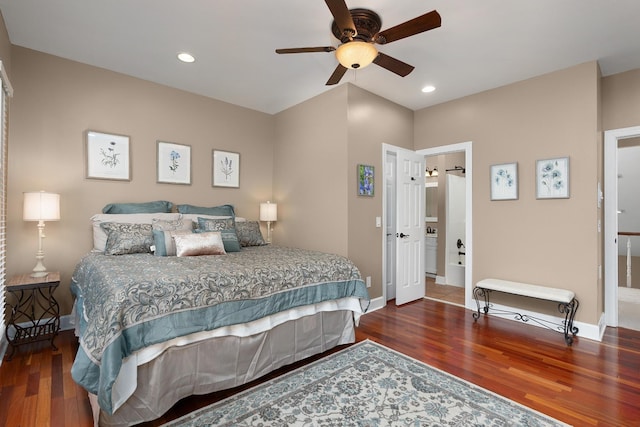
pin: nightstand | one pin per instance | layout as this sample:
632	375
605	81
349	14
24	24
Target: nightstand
35	313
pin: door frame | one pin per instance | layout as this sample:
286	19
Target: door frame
611	138
467	148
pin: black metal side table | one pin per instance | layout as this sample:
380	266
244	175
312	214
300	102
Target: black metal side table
35	313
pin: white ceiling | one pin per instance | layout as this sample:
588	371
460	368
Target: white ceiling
482	44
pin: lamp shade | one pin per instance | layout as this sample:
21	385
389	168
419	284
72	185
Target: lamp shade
268	211
41	206
356	54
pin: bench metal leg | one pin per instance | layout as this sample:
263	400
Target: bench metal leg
569	310
484	294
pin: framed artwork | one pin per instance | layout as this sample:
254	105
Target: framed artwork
552	178
226	169
108	156
365	180
174	163
504	181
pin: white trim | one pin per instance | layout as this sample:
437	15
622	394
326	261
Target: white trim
467	147
611	138
5	80
376	304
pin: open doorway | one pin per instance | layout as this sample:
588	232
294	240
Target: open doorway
622	227
445	237
389	261
453	155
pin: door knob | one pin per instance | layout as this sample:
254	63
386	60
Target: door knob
404	235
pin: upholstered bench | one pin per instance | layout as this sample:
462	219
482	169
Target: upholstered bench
567	303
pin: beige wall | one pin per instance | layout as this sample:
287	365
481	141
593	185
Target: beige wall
57	100
320	142
372	121
549	242
310	174
621	100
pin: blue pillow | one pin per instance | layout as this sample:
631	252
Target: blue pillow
227	229
223	210
133	208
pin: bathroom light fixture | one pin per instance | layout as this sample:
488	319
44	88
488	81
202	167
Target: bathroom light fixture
432	172
356	54
186	57
268	213
428	89
41	206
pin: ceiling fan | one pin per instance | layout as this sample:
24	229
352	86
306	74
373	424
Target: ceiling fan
358	30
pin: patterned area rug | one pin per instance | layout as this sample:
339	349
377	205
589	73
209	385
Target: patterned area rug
366	384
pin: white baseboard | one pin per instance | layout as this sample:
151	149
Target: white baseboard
376	304
585	330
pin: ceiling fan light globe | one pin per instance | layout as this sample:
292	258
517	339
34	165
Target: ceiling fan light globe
356	54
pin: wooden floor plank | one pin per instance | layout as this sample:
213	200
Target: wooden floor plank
590	383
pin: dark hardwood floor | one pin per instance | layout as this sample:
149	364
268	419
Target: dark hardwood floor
587	384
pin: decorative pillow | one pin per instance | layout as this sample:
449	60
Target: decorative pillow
163	232
226	227
131	208
249	234
194	244
223	210
123	238
100	235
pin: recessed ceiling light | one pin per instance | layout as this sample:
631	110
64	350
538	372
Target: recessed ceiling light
186	57
428	89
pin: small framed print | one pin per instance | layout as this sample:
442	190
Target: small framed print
504	181
366	180
108	156
226	169
552	178
174	163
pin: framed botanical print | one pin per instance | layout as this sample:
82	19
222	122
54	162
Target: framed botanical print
366	180
504	181
107	156
552	178
174	163
226	169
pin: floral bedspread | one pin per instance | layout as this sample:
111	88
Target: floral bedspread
128	302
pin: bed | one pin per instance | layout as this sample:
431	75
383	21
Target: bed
155	329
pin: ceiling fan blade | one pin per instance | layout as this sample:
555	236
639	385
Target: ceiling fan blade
342	16
423	23
337	75
394	65
306	49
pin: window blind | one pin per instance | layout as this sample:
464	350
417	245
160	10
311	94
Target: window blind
5	93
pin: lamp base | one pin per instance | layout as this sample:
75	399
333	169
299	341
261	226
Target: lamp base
39	270
39	274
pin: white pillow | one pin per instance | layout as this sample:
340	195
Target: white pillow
194	244
100	236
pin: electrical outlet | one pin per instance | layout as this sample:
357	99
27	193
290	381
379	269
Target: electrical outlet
368	281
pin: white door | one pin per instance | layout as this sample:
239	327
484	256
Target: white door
410	211
390	231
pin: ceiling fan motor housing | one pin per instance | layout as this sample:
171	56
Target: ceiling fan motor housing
367	23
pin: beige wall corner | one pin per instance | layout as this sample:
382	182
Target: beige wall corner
548	242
